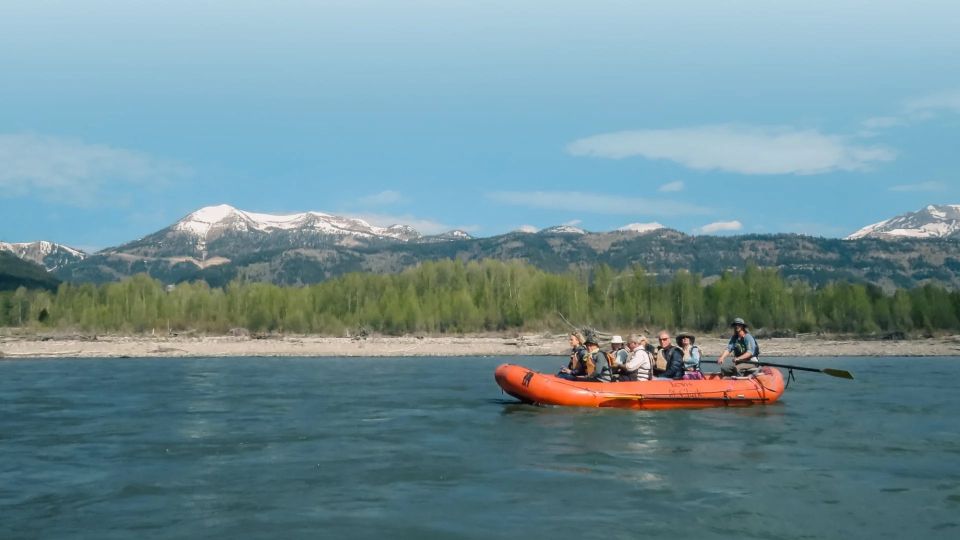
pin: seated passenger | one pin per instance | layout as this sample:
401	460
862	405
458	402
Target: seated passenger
691	356
597	359
670	357
743	349
617	357
578	366
637	367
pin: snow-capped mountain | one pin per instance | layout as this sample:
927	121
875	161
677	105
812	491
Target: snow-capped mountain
225	231
47	254
208	223
448	236
934	221
641	227
563	229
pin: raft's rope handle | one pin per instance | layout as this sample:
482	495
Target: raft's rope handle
790	377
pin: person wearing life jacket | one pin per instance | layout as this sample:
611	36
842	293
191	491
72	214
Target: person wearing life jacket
616	358
670	357
579	365
742	350
691	356
598	359
638	366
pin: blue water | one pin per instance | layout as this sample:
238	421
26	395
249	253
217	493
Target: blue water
430	448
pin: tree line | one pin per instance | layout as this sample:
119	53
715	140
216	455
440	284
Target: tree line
488	296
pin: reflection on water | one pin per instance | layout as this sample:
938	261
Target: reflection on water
430	448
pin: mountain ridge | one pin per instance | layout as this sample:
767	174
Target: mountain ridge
220	243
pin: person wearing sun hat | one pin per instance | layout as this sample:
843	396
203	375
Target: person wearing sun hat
601	365
691	354
742	349
617	357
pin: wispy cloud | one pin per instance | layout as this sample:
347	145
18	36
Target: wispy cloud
920	187
929	104
589	202
527	229
720	226
424	226
77	173
573	222
914	110
672	186
739	149
384	198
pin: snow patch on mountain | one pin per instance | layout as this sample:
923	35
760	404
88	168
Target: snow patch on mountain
934	221
50	255
564	229
641	227
212	220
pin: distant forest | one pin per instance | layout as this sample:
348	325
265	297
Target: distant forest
456	297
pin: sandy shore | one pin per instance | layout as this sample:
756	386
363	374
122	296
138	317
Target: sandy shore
12	347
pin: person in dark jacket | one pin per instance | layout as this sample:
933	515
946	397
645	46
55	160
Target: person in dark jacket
671	357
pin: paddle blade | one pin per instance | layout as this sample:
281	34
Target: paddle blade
843	374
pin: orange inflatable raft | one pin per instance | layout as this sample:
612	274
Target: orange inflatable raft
543	389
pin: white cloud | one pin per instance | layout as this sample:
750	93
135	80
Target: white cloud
76	173
424	226
672	186
720	226
926	105
527	229
573	222
921	186
383	198
739	149
587	202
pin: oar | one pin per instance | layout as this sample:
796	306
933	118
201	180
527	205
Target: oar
841	373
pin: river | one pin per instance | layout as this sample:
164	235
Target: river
430	448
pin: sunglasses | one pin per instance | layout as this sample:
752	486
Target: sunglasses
664	339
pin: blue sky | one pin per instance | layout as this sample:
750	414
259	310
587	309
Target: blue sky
117	118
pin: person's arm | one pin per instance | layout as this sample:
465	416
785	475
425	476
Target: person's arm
637	360
727	352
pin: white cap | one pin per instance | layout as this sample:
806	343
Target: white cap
616	339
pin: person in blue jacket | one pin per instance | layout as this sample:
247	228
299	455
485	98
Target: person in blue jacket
742	350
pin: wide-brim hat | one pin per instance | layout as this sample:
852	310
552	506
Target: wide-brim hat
590	338
739	322
616	340
692	337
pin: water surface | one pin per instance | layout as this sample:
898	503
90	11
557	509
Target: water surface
430	448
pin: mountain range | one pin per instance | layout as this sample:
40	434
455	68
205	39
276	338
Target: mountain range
933	221
221	243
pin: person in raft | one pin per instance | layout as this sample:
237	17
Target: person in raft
637	367
578	366
670	357
691	356
617	357
598	358
742	349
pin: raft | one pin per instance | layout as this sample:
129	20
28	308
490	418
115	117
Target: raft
544	389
